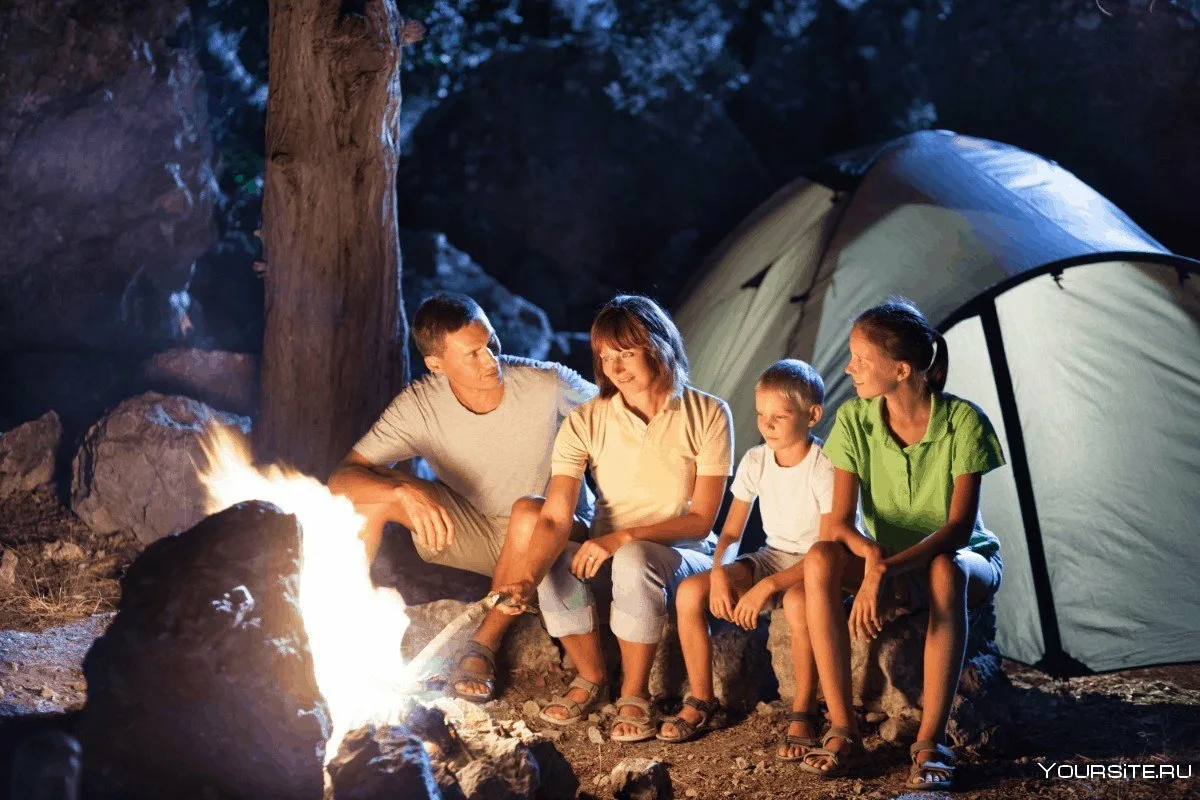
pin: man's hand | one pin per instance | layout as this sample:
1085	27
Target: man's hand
720	594
751	604
594	552
515	598
430	521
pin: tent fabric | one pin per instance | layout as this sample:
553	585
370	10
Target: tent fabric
1090	371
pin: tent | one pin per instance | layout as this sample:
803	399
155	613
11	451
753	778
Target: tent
1075	331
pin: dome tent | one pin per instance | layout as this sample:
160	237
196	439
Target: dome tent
1075	331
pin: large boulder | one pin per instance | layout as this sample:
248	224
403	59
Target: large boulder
739	666
137	468
226	381
27	454
106	164
887	677
203	684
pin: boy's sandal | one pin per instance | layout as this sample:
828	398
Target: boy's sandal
575	711
487	677
647	727
689	730
840	763
789	740
940	772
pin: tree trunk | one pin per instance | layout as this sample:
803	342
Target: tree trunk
333	349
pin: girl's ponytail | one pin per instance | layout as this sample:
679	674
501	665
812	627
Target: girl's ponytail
939	365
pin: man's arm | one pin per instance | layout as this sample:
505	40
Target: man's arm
364	482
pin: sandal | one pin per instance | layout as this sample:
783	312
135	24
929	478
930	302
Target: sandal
461	674
575	711
941	770
689	730
840	762
789	740
647	726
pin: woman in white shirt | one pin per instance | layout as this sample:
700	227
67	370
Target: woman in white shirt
660	454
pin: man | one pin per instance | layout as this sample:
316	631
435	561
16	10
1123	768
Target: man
486	424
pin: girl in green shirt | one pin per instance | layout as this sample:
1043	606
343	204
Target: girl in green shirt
917	455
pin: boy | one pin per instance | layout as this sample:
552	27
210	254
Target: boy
794	480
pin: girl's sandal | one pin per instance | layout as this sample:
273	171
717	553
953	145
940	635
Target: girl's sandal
690	730
487	677
789	740
575	711
647	727
840	763
940	771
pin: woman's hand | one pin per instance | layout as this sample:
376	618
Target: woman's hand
866	616
592	554
720	594
751	604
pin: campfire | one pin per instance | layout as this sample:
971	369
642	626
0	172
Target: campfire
354	627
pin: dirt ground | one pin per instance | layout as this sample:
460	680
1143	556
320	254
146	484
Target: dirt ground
59	604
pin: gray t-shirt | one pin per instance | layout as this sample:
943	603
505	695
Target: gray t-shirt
489	459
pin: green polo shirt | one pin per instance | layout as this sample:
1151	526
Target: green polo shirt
906	490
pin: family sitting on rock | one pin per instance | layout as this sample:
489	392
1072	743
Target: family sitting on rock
510	440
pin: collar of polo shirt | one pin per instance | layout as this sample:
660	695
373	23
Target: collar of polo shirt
939	422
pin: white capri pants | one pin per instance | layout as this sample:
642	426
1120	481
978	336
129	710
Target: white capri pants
644	576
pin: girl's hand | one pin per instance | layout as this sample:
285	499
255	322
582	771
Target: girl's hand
720	594
594	552
751	605
866	615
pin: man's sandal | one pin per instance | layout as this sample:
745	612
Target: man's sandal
689	730
789	740
487	677
940	770
575	711
647	727
840	763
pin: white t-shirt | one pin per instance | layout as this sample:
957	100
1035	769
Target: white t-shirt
489	459
792	498
645	472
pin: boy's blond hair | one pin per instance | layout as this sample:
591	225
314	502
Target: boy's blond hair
797	380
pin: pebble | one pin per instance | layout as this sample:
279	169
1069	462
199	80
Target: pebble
594	735
874	717
552	735
741	763
766	709
691	793
609	710
530	708
595	719
760	767
599	779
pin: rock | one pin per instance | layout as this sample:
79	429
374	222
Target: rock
739	666
527	645
382	762
107	166
225	381
432	264
640	779
887	677
63	552
206	670
45	766
8	573
530	708
137	467
27	454
594	735
741	763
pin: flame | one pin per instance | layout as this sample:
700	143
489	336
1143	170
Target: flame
354	628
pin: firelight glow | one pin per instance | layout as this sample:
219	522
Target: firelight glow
354	628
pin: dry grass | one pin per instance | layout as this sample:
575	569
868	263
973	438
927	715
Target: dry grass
46	594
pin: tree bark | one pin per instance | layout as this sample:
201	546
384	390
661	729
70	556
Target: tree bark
333	350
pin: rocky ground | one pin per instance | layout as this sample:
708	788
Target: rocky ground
55	608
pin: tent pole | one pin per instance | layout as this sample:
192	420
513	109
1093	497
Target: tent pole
1055	660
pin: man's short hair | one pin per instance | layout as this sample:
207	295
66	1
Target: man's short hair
439	315
798	380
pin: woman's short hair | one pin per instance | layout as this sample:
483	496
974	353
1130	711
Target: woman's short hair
629	321
440	314
797	380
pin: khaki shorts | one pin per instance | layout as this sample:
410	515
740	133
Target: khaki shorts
478	537
769	561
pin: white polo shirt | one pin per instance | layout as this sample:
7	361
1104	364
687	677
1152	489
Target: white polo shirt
645	473
792	499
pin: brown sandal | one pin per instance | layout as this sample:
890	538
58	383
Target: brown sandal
841	763
690	730
575	711
941	770
789	740
460	674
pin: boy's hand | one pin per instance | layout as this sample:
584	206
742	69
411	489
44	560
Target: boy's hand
720	594
752	603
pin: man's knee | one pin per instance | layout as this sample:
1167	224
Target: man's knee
823	563
947	580
527	508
